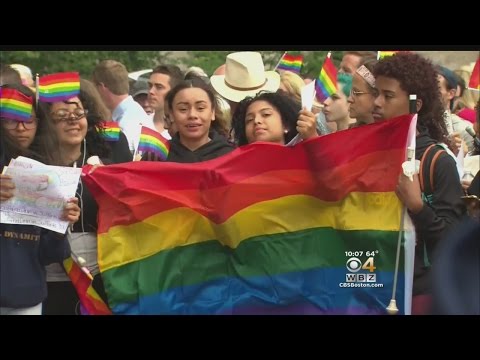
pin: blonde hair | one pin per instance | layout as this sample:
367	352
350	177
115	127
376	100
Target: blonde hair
293	85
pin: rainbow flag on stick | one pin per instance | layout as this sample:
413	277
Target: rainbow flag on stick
474	83
152	141
291	63
14	105
384	54
326	84
58	87
265	229
90	302
111	131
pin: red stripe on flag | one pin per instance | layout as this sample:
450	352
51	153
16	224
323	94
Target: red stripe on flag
474	82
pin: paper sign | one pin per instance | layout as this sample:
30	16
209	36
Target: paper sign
308	95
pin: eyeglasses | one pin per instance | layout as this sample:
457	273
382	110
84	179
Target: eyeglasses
13	124
65	115
355	93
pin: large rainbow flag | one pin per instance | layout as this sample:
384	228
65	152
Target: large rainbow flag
266	229
90	302
326	83
59	86
291	63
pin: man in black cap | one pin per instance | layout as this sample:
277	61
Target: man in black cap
139	92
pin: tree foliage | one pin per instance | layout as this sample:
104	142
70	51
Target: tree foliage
47	62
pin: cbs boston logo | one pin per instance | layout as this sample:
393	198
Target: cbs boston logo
354	265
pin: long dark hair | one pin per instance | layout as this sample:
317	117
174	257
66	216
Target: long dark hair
476	146
91	101
286	106
417	75
45	146
220	123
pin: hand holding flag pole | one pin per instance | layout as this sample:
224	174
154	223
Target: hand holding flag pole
81	263
409	168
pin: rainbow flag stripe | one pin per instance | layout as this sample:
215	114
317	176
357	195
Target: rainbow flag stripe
474	82
326	84
14	105
291	63
266	229
383	54
58	87
91	303
152	141
111	131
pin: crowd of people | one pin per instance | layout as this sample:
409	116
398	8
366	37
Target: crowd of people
206	117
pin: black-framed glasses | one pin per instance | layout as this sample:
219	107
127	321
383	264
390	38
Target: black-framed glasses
14	124
65	115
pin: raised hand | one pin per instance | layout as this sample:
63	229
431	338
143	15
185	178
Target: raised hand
306	125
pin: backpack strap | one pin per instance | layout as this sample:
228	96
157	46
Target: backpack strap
426	176
422	166
432	167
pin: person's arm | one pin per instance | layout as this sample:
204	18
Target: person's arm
54	247
447	207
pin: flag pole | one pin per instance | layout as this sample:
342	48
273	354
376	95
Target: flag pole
135	152
392	308
279	61
37	95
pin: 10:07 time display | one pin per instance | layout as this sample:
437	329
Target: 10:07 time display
353	253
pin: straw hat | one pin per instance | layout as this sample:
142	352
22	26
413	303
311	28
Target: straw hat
245	75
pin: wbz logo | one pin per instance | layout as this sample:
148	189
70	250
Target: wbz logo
354	265
361	277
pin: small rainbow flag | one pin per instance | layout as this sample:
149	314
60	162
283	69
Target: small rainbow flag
326	84
291	63
59	86
474	82
110	131
384	54
152	141
15	105
90	302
